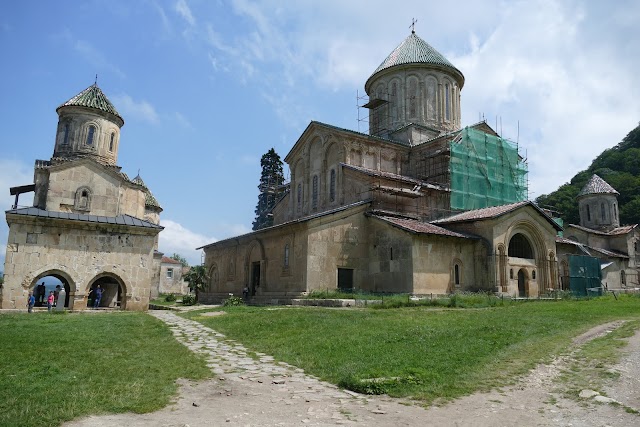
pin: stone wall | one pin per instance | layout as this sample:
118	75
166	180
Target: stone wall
79	253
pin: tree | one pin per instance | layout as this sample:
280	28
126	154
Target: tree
198	278
271	183
182	260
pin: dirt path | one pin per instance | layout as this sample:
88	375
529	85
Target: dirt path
249	392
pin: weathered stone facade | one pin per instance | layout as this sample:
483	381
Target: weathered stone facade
90	224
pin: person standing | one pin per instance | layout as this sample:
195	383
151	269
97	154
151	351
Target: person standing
42	293
31	302
50	300
97	297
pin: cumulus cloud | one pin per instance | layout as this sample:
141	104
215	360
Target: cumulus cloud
177	239
141	110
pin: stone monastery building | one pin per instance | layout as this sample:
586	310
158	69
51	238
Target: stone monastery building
418	205
90	224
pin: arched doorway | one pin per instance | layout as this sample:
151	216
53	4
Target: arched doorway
113	292
522	284
52	281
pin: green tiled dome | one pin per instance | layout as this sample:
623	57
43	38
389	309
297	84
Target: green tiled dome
414	50
92	97
149	199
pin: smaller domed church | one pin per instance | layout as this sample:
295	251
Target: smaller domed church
90	224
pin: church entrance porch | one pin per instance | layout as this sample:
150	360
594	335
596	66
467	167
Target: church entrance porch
113	295
52	281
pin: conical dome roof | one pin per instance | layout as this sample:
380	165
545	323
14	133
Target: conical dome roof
92	97
414	50
597	185
150	200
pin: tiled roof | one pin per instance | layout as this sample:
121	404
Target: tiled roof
92	97
586	248
149	198
395	177
597	185
167	260
615	232
483	213
414	50
118	220
420	227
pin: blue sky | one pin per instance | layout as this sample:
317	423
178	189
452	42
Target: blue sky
206	87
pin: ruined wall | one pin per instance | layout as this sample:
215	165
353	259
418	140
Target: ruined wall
81	252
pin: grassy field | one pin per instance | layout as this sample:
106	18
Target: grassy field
427	353
56	367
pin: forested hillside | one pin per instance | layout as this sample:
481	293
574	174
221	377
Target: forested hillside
620	167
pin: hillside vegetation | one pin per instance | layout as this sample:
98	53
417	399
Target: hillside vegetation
620	167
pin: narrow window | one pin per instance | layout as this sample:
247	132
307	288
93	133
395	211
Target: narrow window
511	273
65	141
623	277
447	103
299	198
286	256
456	274
602	212
92	130
113	137
533	275
169	273
332	186
615	212
391	253
314	196
588	213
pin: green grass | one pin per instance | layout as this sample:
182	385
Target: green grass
57	367
426	353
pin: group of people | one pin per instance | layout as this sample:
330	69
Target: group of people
52	298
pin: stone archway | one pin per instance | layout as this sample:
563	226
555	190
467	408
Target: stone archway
114	291
255	266
58	279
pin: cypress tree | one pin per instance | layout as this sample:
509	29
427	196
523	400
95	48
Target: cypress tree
271	181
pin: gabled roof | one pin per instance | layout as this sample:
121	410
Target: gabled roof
420	227
92	97
494	212
586	248
597	185
167	260
394	177
295	221
414	50
614	232
117	220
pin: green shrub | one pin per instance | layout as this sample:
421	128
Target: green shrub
233	301
170	298
188	299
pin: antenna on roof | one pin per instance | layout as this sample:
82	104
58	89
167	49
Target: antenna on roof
413	25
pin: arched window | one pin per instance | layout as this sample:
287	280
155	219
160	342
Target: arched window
65	140
588	213
623	277
520	247
456	274
511	273
90	134
602	211
286	256
299	198
447	103
314	194
83	199
533	275
615	212
111	142
332	186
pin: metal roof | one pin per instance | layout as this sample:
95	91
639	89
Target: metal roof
117	220
92	97
414	50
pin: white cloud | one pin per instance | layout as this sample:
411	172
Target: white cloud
141	110
13	173
185	12
177	239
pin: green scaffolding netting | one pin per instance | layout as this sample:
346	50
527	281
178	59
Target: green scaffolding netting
486	170
584	274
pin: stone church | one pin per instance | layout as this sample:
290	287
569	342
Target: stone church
418	205
90	224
